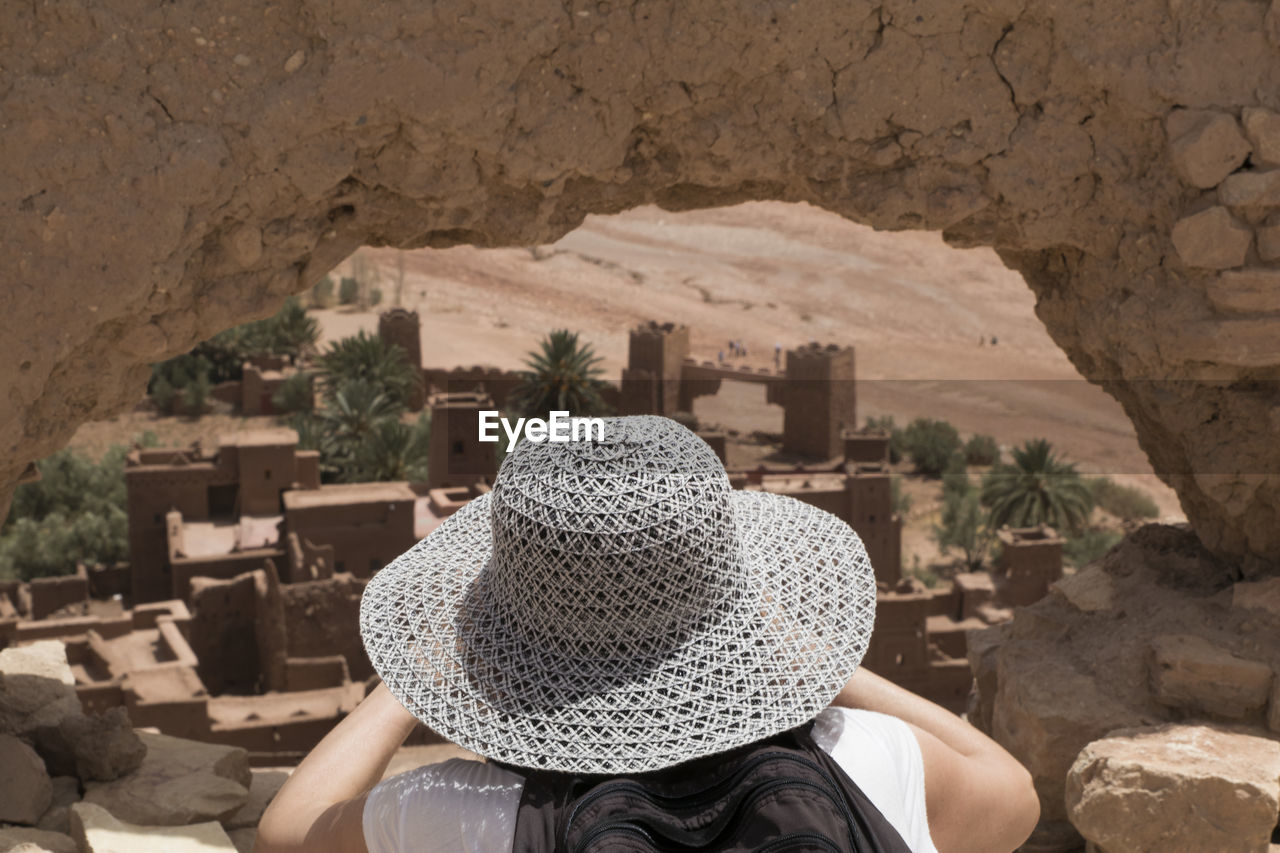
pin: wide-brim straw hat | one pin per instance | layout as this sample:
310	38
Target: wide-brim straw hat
613	606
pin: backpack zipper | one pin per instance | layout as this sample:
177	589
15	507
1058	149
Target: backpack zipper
785	841
729	819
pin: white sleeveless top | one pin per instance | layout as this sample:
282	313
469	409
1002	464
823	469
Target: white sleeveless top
462	806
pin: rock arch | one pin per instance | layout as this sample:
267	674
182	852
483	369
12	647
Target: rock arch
170	169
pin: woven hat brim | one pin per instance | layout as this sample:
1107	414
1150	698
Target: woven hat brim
771	662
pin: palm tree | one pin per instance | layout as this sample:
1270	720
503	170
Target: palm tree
371	359
1038	488
391	450
292	331
563	375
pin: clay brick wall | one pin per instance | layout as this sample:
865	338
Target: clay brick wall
866	447
322	618
493	381
820	401
364	536
265	470
456	456
404	328
50	594
223	614
660	350
871	515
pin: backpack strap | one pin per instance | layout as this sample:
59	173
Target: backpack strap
876	829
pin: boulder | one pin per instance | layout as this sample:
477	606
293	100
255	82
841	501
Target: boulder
94	747
37	689
14	838
57	818
1249	290
1176	789
25	788
1212	239
97	831
1191	673
981	646
1088	590
1206	146
265	784
1262	129
179	782
1251	190
1045	712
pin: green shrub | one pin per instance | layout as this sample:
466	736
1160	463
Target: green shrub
74	513
1083	549
964	526
886	424
1125	502
955	477
931	444
981	450
195	397
322	293
162	394
348	291
295	394
898	499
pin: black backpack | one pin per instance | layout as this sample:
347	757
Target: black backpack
780	794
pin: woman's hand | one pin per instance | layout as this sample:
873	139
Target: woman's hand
320	808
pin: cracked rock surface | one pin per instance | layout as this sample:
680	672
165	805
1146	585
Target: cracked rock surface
170	170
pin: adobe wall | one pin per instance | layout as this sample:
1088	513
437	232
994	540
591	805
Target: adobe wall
322	618
223	616
187	176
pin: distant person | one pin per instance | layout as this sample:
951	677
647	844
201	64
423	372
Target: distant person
993	340
733	348
777	355
619	633
720	357
742	349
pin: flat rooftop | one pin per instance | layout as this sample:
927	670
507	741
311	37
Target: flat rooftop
258	438
337	494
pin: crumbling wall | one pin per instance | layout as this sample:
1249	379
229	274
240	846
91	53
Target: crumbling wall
1153	633
171	170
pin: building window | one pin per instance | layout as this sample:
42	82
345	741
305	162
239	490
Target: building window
339	566
266	473
457	448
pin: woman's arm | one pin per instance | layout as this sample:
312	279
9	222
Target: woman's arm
978	797
319	809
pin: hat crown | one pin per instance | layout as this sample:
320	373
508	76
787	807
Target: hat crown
614	547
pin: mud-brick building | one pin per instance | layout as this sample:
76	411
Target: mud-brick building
244	477
367	524
257	498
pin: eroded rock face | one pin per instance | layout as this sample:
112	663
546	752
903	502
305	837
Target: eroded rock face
1173	641
171	170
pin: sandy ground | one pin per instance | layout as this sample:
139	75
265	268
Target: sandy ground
764	273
